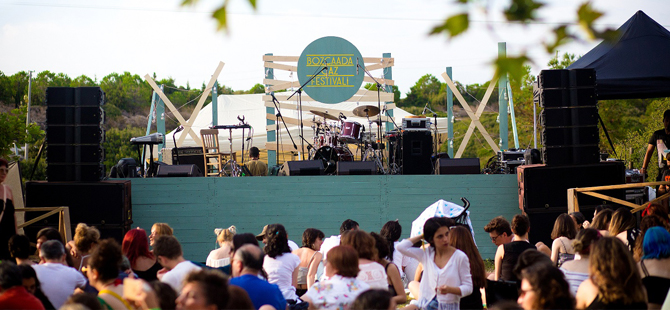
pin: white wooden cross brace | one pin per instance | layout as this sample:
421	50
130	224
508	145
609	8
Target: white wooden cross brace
474	116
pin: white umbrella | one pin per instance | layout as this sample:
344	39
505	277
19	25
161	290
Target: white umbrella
440	208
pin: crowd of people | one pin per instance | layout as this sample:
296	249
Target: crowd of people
608	263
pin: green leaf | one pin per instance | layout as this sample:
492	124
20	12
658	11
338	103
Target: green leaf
561	37
522	10
514	66
253	3
220	16
188	2
586	16
453	26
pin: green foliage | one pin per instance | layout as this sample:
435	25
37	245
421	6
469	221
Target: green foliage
394	88
219	13
117	144
257	89
522	10
126	91
566	60
428	89
13	130
453	26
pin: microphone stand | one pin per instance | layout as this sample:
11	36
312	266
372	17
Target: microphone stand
174	140
299	92
276	103
435	139
379	106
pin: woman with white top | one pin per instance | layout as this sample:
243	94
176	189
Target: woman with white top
221	256
563	233
310	258
446	276
280	264
371	272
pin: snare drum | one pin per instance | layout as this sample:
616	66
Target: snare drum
351	132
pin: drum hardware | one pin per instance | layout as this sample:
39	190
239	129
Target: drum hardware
280	116
325	115
331	155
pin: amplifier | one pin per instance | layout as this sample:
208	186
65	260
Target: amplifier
184	156
416	124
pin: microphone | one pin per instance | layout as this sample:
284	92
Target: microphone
178	129
424	108
356	65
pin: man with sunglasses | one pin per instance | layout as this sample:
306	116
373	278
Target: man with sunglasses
499	230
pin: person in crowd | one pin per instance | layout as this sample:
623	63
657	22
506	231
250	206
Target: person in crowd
221	257
391	231
371	272
169	254
58	280
334	241
86	239
658	210
579	220
544	287
601	221
374	299
166	295
239	299
655	265
256	167
246	266
499	230
310	258
50	233
563	233
647	222
577	270
262	237
393	279
102	271
659	140
508	254
623	227
82	301
529	258
446	277
19	249
12	293
460	238
32	285
280	264
339	287
614	281
204	290
159	229
8	226
143	263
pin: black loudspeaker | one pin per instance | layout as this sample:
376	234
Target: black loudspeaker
356	168
106	205
532	157
568	97
560	136
178	171
567	78
457	166
59	96
75	153
85	134
79	172
571	155
89	97
188	156
564	117
74	115
417	148
303	167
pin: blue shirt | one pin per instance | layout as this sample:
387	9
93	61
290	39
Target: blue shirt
260	291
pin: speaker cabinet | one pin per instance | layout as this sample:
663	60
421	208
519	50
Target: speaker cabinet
188	156
85	134
356	168
178	171
417	148
567	136
74	115
567	97
565	117
79	172
457	166
567	78
571	155
77	153
89	97
303	167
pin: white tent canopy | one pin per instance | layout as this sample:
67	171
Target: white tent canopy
252	108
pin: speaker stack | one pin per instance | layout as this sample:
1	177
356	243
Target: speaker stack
74	134
569	116
417	148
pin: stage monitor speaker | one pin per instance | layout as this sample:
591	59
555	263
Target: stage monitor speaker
544	187
567	78
188	156
564	117
178	171
559	136
457	166
417	149
79	172
303	167
570	97
85	134
356	168
571	155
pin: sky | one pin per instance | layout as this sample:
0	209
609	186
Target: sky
96	38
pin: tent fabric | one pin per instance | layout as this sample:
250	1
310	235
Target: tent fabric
252	107
636	65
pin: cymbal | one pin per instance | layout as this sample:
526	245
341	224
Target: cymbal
366	111
416	116
324	115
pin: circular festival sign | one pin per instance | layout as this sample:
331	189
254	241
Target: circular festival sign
335	67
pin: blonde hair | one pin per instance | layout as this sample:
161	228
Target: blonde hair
226	235
615	273
162	229
85	236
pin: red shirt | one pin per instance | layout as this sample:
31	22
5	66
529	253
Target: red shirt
18	298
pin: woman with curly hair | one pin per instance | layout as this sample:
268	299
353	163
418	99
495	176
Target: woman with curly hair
563	234
221	256
86	239
280	264
135	247
102	272
614	281
310	258
544	287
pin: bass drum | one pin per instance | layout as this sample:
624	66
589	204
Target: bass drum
331	155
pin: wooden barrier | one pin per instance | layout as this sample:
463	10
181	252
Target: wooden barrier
64	227
573	202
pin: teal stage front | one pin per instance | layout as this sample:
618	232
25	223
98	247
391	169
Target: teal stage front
195	206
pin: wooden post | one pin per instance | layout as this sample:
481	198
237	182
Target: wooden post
573	204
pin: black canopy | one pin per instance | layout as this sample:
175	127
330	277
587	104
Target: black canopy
637	65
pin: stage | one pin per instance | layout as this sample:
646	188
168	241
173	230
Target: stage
195	206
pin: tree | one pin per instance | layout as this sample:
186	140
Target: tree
427	89
117	146
46	79
563	63
18	87
257	89
13	130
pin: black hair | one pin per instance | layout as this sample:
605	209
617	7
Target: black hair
19	246
167	296
520	224
529	258
241	239
432	225
309	236
372	299
213	284
348	224
168	247
277	241
88	300
579	217
666	114
254	152
10	275
383	247
50	233
391	231
249	259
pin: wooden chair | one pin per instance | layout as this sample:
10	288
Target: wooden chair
215	160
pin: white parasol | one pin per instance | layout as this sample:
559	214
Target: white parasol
441	208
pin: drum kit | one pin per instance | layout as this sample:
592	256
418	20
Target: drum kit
333	135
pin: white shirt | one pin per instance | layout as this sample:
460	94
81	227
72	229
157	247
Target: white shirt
401	261
58	281
455	273
328	244
176	276
373	274
280	271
